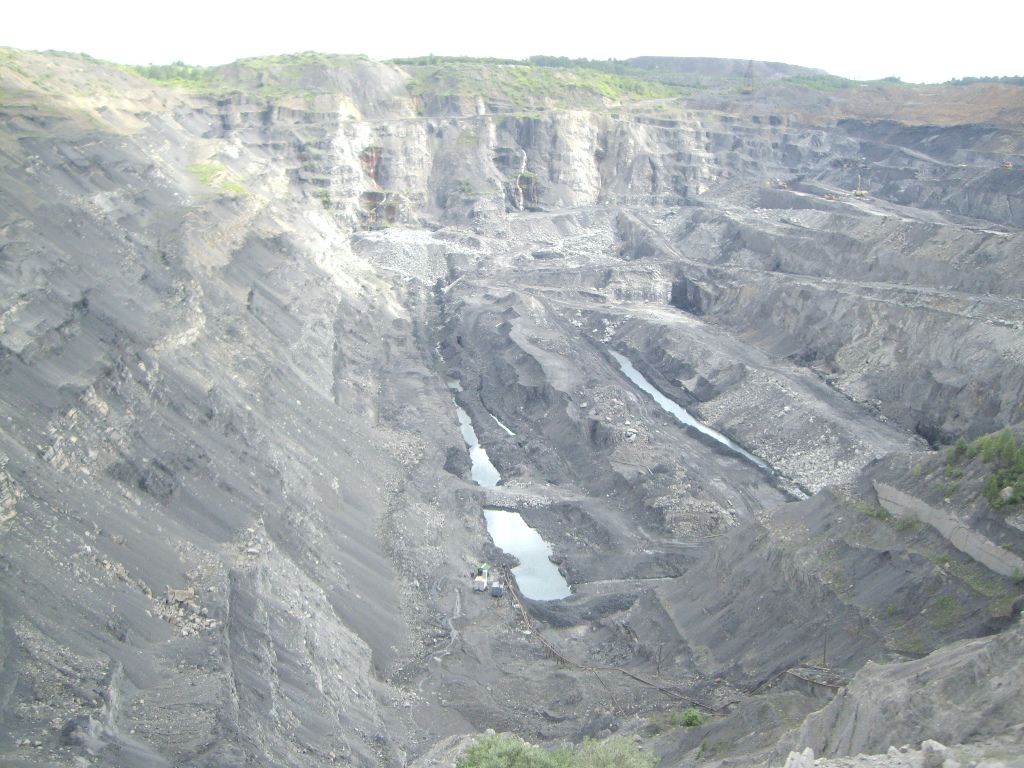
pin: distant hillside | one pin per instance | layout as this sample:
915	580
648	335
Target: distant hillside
712	67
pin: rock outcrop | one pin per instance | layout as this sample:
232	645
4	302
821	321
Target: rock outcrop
969	691
958	533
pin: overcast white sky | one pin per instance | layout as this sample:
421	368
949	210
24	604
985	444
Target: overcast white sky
862	39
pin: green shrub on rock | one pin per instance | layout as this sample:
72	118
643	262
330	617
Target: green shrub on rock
1004	486
692	717
613	752
503	750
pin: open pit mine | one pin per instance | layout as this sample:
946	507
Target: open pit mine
351	409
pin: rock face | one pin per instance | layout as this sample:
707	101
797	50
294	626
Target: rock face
237	515
968	691
959	534
803	759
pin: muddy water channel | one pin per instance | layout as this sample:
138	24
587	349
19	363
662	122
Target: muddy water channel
482	471
678	411
536	576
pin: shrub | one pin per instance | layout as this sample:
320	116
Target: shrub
908	523
878	512
504	750
613	752
1006	448
1017	576
990	490
988	448
1001	450
692	717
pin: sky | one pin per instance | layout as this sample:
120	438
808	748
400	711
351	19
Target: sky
860	39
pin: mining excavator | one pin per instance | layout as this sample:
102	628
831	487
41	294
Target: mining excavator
860	191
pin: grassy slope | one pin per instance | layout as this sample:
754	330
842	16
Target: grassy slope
523	88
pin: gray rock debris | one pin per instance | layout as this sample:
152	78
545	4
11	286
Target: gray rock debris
936	755
803	759
966	691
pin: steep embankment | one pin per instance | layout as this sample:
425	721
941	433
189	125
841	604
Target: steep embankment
203	389
966	692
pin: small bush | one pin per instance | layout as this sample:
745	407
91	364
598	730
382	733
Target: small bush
1006	448
878	512
988	449
908	523
1017	576
692	717
990	490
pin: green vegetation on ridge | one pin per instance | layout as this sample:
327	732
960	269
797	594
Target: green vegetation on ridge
176	71
1007	80
1004	486
537	82
525	88
268	76
610	66
517	86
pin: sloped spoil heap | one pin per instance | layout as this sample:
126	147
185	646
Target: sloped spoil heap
238	511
